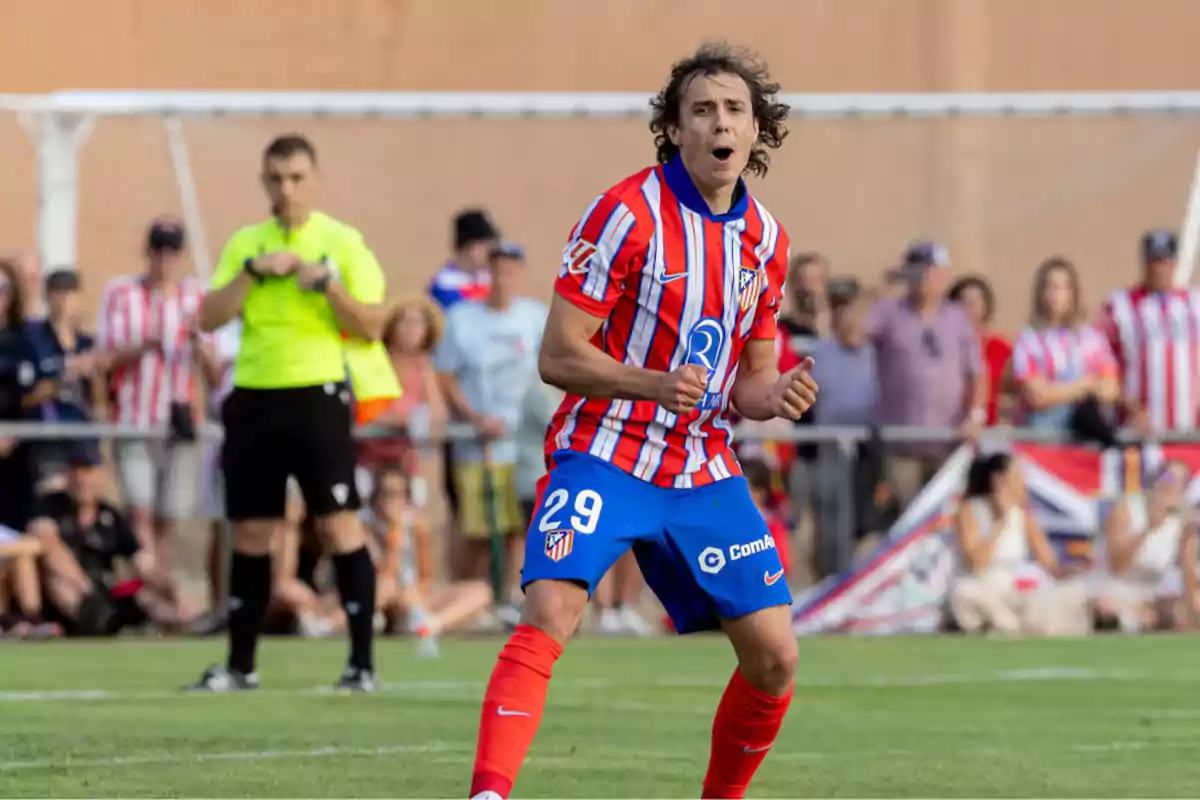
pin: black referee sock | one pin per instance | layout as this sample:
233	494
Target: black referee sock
249	594
356	586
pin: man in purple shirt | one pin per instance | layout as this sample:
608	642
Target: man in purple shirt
929	365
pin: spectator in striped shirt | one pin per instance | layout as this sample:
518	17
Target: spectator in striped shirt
148	330
1153	329
1058	362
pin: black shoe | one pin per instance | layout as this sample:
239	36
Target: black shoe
219	679
356	680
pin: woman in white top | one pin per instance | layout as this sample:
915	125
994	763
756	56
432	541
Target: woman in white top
1011	579
1146	555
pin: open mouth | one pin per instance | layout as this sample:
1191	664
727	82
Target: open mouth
723	153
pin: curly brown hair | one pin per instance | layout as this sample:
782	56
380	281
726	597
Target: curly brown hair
434	320
720	58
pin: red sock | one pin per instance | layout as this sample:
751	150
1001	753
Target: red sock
748	719
512	709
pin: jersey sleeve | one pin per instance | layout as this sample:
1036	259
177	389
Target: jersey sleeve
1110	331
766	316
1025	363
361	272
52	507
599	256
233	256
109	322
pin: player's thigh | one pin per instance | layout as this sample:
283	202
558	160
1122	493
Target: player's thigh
254	457
323	449
136	475
588	515
725	545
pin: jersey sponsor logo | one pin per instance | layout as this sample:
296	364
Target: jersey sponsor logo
751	283
770	579
559	544
705	343
577	257
740	551
712	560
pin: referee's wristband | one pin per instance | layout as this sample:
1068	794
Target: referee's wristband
248	265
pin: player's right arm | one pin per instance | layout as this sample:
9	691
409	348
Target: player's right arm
602	252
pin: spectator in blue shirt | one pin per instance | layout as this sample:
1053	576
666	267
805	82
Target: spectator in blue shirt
65	368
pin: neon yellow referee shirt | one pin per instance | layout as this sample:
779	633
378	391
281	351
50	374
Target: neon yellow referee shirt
292	338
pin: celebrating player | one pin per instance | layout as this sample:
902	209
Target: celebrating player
664	315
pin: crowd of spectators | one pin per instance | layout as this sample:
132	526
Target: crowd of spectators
914	349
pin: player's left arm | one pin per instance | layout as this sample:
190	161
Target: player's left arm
357	295
760	392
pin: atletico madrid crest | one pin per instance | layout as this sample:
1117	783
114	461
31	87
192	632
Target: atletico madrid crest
751	282
558	544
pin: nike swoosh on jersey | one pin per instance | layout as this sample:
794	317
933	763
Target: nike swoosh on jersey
668	278
770	579
505	712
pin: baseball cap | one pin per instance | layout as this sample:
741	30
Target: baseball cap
508	250
1159	245
472	225
165	234
62	279
926	254
82	454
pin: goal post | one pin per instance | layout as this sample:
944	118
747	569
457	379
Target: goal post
60	123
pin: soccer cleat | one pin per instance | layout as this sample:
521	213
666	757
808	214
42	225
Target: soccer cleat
356	680
610	623
218	679
486	796
634	624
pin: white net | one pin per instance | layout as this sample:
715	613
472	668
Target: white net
1001	193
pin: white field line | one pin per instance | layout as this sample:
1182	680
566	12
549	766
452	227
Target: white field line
239	755
435	687
445	753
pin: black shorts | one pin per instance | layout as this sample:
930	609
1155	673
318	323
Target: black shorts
273	434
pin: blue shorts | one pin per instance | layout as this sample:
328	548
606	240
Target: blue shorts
706	552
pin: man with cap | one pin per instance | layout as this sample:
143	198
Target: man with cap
1153	329
147	330
929	366
487	362
66	371
464	277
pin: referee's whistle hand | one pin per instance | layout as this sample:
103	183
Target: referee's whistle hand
307	275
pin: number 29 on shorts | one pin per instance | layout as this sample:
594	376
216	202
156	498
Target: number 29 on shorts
584	513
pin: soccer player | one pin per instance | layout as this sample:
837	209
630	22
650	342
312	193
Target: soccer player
301	282
664	316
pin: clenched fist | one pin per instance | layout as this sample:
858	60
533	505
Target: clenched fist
795	391
682	390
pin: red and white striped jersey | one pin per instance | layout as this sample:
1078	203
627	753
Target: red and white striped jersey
131	314
1155	337
1061	355
675	284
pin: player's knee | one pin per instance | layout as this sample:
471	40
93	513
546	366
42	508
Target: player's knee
254	537
554	607
773	666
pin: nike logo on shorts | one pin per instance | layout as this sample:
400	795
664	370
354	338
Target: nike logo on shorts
771	580
505	712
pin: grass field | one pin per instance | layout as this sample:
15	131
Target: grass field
936	717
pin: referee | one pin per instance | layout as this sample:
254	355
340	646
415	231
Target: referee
300	281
